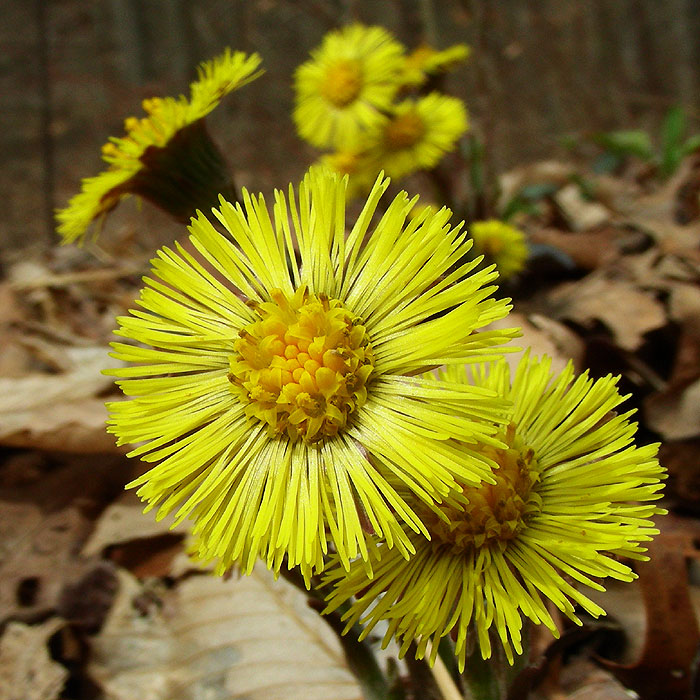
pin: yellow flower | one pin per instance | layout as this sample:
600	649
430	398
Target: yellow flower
418	134
571	492
501	244
276	390
350	80
425	61
167	156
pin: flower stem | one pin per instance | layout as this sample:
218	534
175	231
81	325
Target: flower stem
481	678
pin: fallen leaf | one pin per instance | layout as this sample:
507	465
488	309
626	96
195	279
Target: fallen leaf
58	411
543	172
86	602
27	672
36	557
681	460
627	311
655	213
47	504
252	637
580	214
599	685
124	521
588	249
684	307
543	336
665	667
675	414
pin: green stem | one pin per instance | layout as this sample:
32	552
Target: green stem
481	678
423	683
493	678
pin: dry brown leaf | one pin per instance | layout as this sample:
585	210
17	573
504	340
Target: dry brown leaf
137	541
580	214
664	668
544	172
627	311
675	414
684	307
600	685
543	336
588	249
36	556
250	638
26	669
656	214
58	411
122	522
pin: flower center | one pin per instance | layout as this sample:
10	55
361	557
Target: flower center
492	514
303	367
345	162
342	82
404	131
492	245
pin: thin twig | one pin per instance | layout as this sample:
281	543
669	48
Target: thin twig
442	676
77	277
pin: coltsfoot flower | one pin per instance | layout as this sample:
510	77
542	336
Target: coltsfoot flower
570	493
274	380
418	133
500	243
426	61
347	85
167	156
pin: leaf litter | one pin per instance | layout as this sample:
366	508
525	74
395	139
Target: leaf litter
613	285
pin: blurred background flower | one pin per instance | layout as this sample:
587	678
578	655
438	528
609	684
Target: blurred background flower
166	157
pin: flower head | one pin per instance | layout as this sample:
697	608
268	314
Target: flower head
418	134
166	156
274	381
570	492
425	61
501	244
349	82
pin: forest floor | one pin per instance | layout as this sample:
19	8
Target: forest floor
98	600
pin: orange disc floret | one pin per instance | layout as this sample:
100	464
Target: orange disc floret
303	367
491	513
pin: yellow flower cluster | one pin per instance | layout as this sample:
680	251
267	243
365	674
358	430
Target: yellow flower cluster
330	395
351	97
300	385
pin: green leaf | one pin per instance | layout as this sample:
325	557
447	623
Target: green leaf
607	163
517	205
538	190
672	131
626	143
691	145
